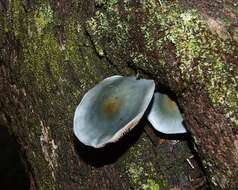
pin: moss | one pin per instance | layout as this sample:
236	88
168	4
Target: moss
108	26
138	175
17	9
43	17
140	169
80	60
48	57
151	185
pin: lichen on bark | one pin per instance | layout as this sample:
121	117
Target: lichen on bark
203	56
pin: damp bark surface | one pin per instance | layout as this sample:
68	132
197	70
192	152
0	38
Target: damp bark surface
53	52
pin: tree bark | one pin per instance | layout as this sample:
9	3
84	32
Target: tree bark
52	52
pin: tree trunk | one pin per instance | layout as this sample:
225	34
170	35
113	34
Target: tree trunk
52	52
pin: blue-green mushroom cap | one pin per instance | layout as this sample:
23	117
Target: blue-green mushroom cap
165	116
111	108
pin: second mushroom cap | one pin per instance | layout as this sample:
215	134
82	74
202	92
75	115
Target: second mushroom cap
165	116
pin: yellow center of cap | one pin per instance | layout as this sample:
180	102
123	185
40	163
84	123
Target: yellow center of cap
111	107
169	104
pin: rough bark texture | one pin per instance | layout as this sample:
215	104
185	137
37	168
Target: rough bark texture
52	52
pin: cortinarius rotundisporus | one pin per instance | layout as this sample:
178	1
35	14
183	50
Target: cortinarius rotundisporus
111	108
165	116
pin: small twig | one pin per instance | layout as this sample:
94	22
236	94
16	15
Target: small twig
189	162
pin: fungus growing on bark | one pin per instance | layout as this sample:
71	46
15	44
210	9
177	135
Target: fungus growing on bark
165	116
111	108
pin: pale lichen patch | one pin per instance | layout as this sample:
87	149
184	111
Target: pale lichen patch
216	27
43	17
48	148
108	25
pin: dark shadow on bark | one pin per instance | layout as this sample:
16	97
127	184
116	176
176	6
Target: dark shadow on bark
111	152
12	171
183	137
166	90
193	147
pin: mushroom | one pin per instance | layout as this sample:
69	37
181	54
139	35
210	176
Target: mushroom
111	109
165	116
